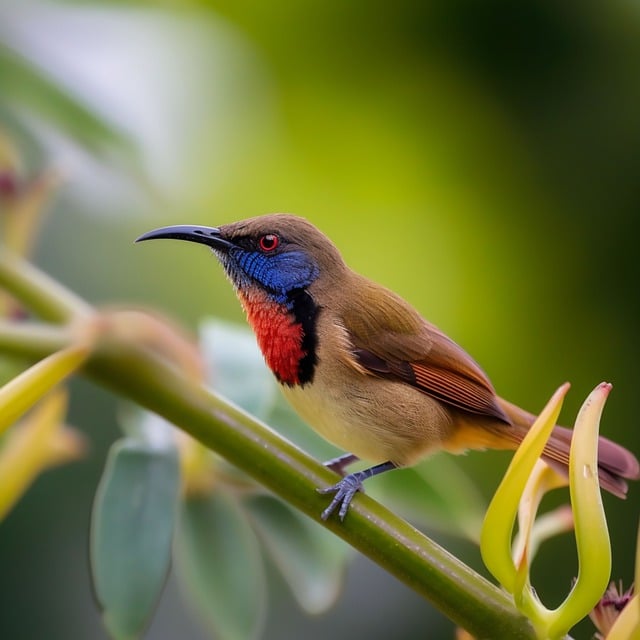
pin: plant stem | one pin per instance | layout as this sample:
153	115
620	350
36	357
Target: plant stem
40	293
139	374
32	340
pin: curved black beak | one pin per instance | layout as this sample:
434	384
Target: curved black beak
192	233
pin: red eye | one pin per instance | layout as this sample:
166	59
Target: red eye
269	242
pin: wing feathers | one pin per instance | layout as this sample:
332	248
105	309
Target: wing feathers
453	388
449	386
391	340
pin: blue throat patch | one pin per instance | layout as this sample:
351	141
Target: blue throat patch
280	274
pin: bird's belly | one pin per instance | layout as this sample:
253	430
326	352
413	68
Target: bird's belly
373	419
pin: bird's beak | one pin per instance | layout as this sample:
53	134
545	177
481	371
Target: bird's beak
204	235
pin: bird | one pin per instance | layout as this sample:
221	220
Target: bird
361	365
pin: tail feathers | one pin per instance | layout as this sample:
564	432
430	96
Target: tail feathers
615	463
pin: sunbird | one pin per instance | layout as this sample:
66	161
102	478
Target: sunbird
360	365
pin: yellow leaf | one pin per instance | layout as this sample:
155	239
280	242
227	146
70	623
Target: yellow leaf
495	539
21	393
592	535
23	218
627	625
33	445
543	478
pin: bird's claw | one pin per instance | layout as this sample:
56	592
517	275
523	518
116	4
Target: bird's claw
344	490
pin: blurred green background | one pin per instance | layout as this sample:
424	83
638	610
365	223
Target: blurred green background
482	159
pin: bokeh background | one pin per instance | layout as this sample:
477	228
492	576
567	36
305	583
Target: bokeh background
482	159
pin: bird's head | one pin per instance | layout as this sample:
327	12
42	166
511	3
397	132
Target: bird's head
279	253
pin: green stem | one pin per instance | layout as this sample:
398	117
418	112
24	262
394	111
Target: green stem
132	371
40	293
32	340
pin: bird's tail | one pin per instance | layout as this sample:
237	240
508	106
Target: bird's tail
615	463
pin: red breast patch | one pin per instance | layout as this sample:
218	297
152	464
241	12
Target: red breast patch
279	335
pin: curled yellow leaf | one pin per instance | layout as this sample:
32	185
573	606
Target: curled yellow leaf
38	442
592	535
495	539
21	393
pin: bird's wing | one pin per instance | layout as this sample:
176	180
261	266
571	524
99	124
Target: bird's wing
396	343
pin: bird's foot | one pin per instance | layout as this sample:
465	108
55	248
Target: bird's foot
338	464
344	491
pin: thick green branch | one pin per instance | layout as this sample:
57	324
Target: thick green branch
132	371
38	292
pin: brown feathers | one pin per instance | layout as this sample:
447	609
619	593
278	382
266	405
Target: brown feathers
390	386
392	341
615	463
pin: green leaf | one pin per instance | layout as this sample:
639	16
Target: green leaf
220	565
26	88
311	559
131	532
140	425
